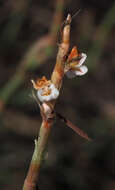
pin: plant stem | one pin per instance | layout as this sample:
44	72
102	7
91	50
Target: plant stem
48	116
40	145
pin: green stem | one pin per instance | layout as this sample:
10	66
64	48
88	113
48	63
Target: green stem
37	158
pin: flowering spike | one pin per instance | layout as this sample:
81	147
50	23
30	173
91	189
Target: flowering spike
48	90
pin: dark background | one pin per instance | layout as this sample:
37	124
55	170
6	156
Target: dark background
88	101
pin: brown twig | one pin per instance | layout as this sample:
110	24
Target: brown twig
58	72
74	127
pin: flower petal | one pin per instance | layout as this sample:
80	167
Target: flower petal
73	53
54	91
70	74
83	58
82	71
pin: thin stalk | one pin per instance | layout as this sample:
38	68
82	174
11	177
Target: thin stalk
48	116
37	158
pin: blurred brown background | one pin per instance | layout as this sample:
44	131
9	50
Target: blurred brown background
29	37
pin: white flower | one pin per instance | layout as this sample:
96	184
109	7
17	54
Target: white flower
47	93
75	66
46	90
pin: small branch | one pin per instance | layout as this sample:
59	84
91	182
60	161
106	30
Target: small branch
74	127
